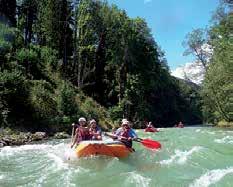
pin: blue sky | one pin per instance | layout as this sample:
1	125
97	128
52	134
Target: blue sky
170	21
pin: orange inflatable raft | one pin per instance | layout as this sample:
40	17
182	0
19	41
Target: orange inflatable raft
107	148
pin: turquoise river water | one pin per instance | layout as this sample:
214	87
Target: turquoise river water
192	157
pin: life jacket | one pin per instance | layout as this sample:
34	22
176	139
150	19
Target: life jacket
125	134
92	131
83	135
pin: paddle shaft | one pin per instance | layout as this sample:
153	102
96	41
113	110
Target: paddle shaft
137	139
72	135
151	144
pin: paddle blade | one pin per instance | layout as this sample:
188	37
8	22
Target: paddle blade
151	144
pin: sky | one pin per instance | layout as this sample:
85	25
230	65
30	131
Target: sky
170	21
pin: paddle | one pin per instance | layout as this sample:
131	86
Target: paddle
72	135
151	144
71	141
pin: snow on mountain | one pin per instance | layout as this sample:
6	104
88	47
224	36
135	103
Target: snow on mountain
193	72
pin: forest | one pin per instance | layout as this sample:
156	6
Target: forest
62	59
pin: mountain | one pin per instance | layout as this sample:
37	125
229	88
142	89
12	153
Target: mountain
193	72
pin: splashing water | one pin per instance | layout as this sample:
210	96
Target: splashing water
189	157
181	157
225	140
211	177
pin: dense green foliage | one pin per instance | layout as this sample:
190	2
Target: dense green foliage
86	58
217	89
218	85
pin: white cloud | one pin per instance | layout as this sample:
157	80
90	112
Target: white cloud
147	1
193	72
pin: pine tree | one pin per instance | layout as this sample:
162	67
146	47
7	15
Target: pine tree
54	26
27	19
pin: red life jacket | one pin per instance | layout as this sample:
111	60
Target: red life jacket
82	135
125	133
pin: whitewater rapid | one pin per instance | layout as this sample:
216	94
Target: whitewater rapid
194	157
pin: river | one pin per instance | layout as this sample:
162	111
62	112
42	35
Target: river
192	157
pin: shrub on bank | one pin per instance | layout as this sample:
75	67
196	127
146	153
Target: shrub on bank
91	109
225	124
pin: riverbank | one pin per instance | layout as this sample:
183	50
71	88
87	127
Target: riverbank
9	137
225	124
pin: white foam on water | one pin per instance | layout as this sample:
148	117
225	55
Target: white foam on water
225	140
112	163
67	178
79	169
181	157
1	177
207	132
70	154
211	177
138	180
225	131
11	150
198	130
40	181
162	128
63	157
63	151
59	162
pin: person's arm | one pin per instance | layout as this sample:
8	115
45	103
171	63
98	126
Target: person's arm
113	136
124	138
91	132
99	131
130	136
117	135
133	134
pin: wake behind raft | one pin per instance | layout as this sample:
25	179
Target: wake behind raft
110	148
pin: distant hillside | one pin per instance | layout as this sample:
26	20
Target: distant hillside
189	83
190	92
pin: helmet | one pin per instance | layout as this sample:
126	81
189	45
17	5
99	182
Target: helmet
125	122
82	119
92	121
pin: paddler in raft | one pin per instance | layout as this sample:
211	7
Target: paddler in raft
180	125
81	132
125	134
94	131
150	128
